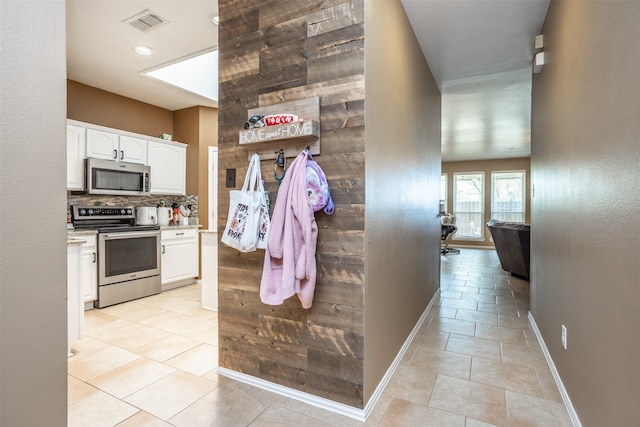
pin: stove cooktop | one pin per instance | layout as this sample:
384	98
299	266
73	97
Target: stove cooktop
107	219
127	228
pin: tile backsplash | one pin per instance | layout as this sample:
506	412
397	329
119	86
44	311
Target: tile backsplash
189	201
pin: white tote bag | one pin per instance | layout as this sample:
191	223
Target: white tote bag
265	221
243	220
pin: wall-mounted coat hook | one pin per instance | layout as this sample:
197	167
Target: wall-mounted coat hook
281	163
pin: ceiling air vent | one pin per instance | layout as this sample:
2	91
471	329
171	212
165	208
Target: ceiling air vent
145	21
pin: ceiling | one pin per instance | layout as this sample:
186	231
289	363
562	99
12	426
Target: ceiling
479	51
480	54
100	46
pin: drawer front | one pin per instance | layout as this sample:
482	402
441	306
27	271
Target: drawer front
183	233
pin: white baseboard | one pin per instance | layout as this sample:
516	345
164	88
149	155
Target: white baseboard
556	376
319	402
178	284
327	404
456	245
368	409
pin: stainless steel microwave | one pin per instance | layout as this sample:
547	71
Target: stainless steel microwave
117	178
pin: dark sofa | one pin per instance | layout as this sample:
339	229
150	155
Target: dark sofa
512	243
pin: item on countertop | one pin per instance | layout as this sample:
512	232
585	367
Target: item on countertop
184	215
164	216
146	215
242	230
184	211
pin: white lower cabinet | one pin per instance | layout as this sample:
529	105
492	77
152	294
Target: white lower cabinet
89	269
179	256
75	314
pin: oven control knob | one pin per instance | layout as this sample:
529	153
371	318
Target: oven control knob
83	211
90	211
129	212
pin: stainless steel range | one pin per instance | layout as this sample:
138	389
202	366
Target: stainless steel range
128	254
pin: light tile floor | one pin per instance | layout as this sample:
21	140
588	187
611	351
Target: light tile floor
475	362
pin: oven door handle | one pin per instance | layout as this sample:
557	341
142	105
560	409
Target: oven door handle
130	234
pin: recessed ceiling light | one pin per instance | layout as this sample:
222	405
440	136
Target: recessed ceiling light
143	50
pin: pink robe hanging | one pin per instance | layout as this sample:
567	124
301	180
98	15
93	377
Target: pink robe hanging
290	261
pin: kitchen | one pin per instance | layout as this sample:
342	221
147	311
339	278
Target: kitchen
134	119
140	229
167	336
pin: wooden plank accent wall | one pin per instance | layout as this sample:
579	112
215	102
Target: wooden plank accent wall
273	52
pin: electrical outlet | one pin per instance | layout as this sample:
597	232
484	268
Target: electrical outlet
564	337
231	178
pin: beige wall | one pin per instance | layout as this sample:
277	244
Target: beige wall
186	123
198	127
91	105
33	307
586	171
208	138
487	166
402	157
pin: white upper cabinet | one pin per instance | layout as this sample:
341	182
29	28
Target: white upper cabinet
168	159
102	145
168	167
133	150
76	139
111	146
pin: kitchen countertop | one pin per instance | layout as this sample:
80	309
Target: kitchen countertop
208	231
71	241
178	227
73	232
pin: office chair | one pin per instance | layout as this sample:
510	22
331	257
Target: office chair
447	223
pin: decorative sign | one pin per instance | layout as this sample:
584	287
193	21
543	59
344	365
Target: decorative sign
285	131
280	119
289	126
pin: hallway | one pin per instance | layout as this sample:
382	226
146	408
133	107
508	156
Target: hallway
475	362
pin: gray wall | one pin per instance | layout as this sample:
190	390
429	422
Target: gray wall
402	157
586	207
33	322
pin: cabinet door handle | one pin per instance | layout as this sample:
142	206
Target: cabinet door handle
121	154
115	154
95	258
179	234
162	248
